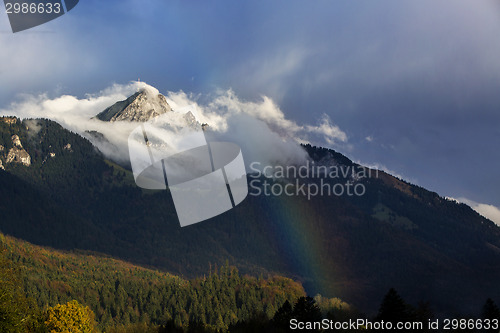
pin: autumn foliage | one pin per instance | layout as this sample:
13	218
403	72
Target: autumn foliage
70	317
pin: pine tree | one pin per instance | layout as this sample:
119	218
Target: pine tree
491	310
306	309
393	308
281	319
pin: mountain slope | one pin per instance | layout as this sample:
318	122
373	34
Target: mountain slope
353	247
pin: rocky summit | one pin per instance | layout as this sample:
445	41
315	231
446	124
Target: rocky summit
141	106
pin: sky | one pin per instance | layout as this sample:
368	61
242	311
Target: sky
413	87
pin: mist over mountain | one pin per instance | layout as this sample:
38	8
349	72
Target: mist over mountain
260	127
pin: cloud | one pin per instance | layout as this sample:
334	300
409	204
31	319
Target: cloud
267	111
331	132
260	128
489	211
226	104
33	127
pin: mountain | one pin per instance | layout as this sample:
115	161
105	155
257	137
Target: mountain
395	235
141	106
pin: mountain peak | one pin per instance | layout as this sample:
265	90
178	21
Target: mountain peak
141	106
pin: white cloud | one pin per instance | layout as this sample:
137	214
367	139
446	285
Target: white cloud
226	104
260	128
489	211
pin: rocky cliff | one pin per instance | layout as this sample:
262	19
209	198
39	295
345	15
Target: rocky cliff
16	154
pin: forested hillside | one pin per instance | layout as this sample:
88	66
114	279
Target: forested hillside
355	248
120	293
43	290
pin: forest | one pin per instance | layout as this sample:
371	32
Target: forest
44	290
118	294
239	268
